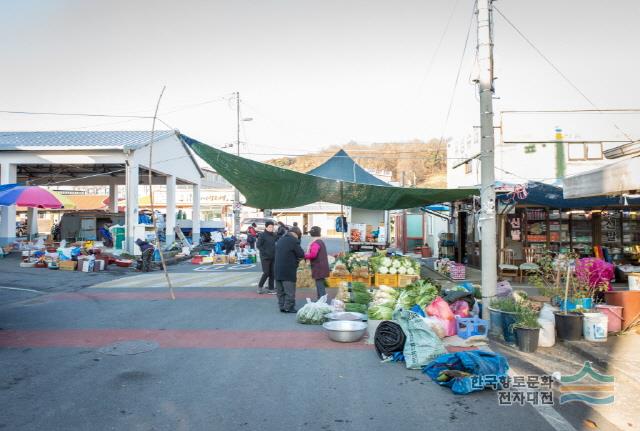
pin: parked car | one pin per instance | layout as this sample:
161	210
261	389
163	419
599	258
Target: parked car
260	223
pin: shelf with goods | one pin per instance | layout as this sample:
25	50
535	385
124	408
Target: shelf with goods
536	228
447	246
559	231
631	234
581	234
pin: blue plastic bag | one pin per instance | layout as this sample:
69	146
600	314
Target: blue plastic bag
487	369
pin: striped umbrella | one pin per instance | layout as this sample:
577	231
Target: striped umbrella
29	196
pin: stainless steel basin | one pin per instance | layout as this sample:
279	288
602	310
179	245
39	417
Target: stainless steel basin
345	331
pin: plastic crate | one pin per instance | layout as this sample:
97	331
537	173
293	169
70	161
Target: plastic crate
405	280
335	281
390	280
457	271
359	279
471	326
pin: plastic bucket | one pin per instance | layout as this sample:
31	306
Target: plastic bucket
508	319
568	326
614	316
495	324
634	281
577	304
594	327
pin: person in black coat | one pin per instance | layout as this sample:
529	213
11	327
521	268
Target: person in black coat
288	254
267	247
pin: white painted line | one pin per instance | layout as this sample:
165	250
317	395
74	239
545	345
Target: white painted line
21	289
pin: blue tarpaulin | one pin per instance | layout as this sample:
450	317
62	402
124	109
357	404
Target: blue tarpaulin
551	196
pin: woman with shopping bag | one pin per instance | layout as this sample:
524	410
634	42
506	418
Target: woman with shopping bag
319	259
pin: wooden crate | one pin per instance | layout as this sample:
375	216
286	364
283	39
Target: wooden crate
335	281
405	280
390	280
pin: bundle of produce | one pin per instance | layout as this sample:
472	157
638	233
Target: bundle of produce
380	312
360	294
340	270
361	271
420	293
313	313
343	293
356	308
357	260
355	235
394	265
389	339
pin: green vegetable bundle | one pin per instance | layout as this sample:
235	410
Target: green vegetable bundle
380	312
357	308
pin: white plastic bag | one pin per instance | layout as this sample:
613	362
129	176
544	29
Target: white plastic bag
547	336
337	305
313	313
547	312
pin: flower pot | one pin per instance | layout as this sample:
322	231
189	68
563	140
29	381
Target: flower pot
508	320
495	323
569	325
527	339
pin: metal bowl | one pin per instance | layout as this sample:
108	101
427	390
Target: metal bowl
346	315
345	331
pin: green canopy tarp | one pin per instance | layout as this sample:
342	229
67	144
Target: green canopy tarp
266	186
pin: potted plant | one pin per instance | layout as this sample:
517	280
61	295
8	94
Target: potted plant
568	323
504	310
527	329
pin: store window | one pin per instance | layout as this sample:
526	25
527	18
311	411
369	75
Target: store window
582	151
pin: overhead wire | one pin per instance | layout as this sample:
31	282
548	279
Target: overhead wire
557	69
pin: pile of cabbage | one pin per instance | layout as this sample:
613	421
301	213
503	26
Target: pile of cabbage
394	265
387	299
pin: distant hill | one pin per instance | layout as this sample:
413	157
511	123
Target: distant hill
424	163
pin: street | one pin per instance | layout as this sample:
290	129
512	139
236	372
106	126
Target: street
218	357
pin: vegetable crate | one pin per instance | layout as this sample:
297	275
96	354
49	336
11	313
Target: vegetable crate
390	280
335	281
457	271
405	280
360	279
67	265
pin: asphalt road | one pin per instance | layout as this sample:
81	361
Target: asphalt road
219	357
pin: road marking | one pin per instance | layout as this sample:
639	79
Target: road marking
21	289
154	295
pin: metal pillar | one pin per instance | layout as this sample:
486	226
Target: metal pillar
195	217
8	175
113	198
133	179
170	221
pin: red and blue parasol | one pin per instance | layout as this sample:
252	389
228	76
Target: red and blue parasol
29	196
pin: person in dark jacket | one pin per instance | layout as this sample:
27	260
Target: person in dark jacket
147	254
319	259
252	235
296	229
288	254
267	247
282	229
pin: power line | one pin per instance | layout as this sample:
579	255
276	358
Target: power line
455	85
550	63
81	114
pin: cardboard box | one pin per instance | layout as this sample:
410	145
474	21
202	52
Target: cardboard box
67	265
98	265
220	259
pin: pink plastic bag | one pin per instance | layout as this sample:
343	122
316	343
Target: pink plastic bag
440	308
460	308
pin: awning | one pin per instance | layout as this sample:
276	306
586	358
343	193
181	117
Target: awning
266	186
614	179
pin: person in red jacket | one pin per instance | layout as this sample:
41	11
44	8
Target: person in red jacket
319	259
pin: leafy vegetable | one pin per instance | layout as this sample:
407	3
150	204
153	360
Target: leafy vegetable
380	312
358	308
313	313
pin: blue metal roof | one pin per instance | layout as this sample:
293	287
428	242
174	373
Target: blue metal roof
100	140
341	167
551	196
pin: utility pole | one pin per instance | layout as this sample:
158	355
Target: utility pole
487	193
236	196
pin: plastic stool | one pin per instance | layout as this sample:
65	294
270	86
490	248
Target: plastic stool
471	326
